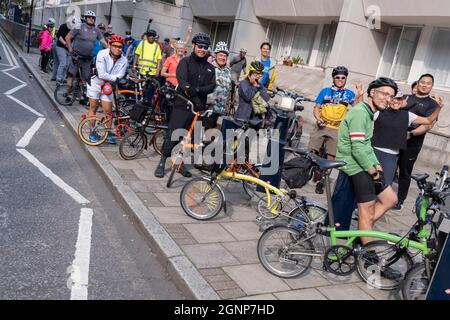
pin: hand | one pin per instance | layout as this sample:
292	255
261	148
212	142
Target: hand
190	29
409	135
359	90
439	101
191	92
321	123
379	182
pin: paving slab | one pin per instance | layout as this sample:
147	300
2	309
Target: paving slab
344	292
243	230
171	215
169	199
308	280
244	251
211	255
305	294
253	279
260	297
209	233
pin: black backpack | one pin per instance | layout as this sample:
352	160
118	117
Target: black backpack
138	112
296	172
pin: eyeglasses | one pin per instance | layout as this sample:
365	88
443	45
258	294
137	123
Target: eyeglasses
116	46
386	94
340	78
202	46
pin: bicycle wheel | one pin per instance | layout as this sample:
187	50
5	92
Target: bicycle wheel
132	145
280	250
416	283
383	265
92	131
201	199
158	140
62	95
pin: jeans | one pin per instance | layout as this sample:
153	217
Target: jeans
63	63
343	202
55	60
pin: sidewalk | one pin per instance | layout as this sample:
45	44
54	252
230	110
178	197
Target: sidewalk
215	259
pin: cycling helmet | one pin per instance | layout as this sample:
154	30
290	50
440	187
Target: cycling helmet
101	26
222	47
151	33
116	38
89	13
52	21
201	38
243	50
340	70
382	82
256	66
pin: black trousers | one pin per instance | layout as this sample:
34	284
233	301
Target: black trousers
406	161
179	119
45	57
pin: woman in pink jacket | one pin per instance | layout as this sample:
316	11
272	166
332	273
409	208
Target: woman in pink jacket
46	46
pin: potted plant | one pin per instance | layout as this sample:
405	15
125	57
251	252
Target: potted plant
287	61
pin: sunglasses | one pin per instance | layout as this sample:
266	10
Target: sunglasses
340	78
116	46
202	46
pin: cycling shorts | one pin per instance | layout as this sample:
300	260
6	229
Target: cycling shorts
364	187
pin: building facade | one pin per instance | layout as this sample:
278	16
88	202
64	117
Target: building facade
401	39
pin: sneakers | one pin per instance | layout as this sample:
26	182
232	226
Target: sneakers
111	138
93	137
319	187
184	172
398	206
159	172
372	259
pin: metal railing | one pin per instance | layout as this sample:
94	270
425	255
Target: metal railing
19	33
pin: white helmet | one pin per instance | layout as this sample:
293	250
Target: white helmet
179	44
52	21
89	13
222	47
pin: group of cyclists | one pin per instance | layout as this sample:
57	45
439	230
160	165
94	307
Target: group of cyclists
375	136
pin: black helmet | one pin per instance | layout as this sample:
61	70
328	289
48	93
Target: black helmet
151	33
382	82
256	66
340	70
201	38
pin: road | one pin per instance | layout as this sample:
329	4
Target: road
62	233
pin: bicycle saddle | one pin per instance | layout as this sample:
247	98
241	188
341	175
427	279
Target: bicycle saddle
420	177
326	164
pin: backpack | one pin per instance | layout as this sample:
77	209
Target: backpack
296	172
39	37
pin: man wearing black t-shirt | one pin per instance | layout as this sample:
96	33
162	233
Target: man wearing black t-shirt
62	53
423	105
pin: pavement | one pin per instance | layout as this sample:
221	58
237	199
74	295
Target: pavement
215	259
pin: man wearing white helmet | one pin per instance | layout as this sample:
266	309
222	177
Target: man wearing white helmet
219	98
238	64
81	48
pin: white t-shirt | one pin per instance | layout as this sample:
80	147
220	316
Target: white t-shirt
411	118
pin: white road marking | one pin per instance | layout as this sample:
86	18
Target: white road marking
23	143
12	56
79	278
6	53
53	177
80	266
26	106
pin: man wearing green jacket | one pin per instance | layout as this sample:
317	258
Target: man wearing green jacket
373	196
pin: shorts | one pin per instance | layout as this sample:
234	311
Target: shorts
85	66
94	91
364	187
319	135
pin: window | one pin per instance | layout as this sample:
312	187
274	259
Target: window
168	1
399	51
291	40
221	31
326	43
438	62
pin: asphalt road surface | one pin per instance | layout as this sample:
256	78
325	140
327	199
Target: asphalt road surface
62	234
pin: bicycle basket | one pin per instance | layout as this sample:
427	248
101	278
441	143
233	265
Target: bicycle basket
137	112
